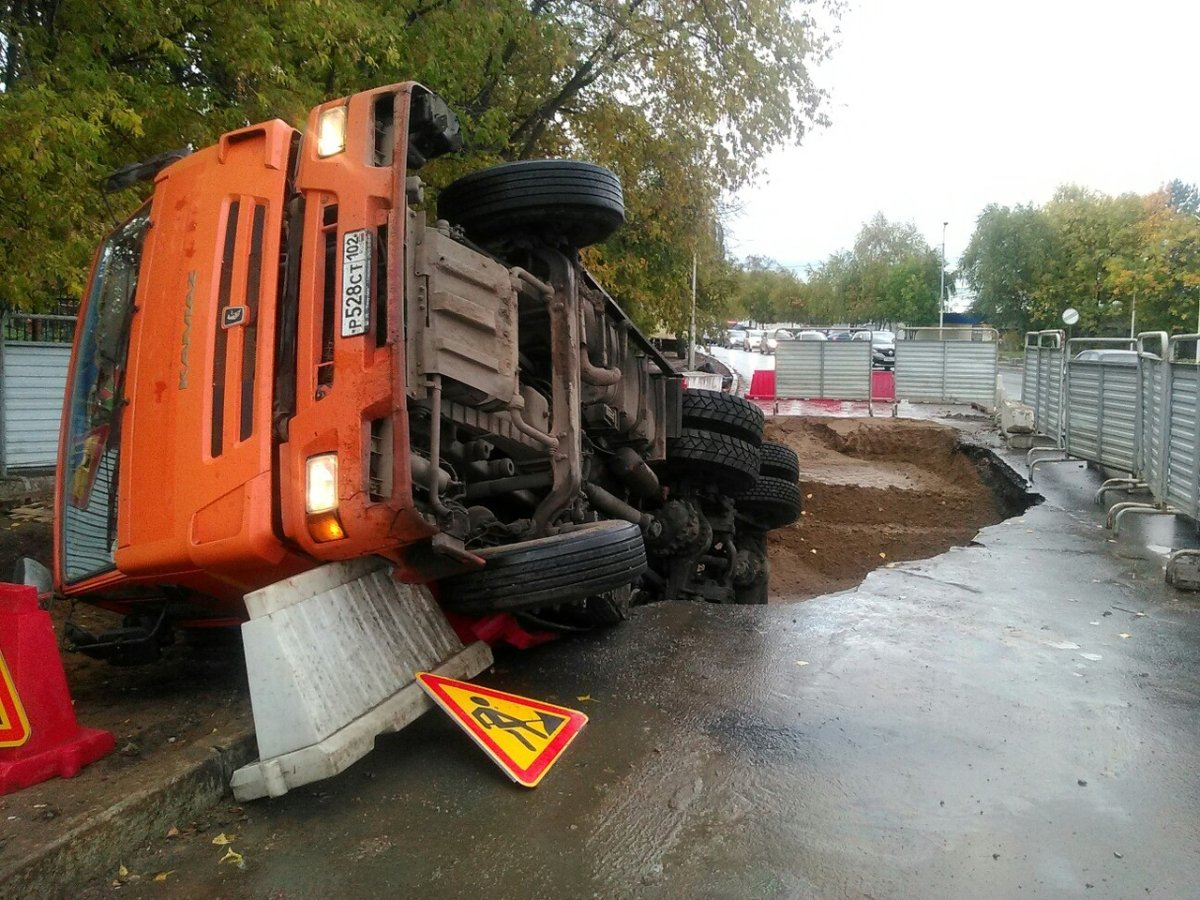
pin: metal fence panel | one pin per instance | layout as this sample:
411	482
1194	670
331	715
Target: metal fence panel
34	383
947	371
1029	378
836	370
1102	413
1049	405
1182	439
1152	375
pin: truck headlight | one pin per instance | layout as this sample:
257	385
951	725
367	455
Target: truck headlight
321	484
331	131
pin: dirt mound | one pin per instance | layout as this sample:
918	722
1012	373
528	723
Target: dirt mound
876	491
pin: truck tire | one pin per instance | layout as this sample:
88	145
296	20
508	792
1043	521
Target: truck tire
710	457
574	203
561	568
770	503
779	461
723	413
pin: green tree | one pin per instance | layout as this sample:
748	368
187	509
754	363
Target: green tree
891	275
682	100
1005	261
1102	255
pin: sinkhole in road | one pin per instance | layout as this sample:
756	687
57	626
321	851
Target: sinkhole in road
878	491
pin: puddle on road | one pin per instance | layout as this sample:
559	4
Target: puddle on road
878	491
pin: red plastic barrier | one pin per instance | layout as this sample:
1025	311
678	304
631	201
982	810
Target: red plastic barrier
39	737
883	385
496	629
762	385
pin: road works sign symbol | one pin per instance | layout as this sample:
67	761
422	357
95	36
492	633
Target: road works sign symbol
522	736
14	726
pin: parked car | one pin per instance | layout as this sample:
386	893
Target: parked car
772	341
754	341
839	336
883	347
810	335
734	338
1112	357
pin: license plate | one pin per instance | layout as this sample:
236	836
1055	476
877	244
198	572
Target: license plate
356	283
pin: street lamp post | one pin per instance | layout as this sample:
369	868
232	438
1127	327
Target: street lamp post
942	288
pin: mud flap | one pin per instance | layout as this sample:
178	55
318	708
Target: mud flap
331	656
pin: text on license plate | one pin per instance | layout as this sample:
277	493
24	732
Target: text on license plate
356	282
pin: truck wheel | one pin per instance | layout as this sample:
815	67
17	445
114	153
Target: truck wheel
710	457
723	413
561	568
575	203
770	503
779	461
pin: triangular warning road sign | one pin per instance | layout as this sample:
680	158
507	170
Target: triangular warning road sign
14	725
522	736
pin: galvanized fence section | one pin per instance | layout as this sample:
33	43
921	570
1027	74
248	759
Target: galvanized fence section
35	353
1041	383
1182	432
833	370
1102	408
955	370
1153	372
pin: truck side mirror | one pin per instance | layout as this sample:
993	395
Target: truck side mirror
433	129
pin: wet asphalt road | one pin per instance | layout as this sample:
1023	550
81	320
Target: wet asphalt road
997	722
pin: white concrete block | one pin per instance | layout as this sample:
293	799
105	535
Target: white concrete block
331	656
1016	418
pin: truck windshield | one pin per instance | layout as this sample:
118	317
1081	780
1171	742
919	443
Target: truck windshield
92	445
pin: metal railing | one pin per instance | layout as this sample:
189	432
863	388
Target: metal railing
1041	383
948	365
831	370
1103	399
35	352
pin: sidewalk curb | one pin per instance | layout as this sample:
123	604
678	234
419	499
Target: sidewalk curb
97	846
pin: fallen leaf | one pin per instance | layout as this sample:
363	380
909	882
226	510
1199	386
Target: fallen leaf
801	662
162	876
1124	634
585	698
172	832
882	555
222	839
122	872
814	550
233	856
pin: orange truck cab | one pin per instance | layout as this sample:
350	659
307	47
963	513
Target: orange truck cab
282	362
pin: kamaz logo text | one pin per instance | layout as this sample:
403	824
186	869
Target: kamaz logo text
187	330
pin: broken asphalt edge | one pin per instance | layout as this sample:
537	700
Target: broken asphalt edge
97	846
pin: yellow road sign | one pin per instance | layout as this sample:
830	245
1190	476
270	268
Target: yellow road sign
522	736
14	725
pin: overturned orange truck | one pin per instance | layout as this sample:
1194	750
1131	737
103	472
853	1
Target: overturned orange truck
284	360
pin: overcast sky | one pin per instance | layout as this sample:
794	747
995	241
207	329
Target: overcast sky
940	107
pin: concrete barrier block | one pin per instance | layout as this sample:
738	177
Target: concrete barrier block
1016	418
1183	570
